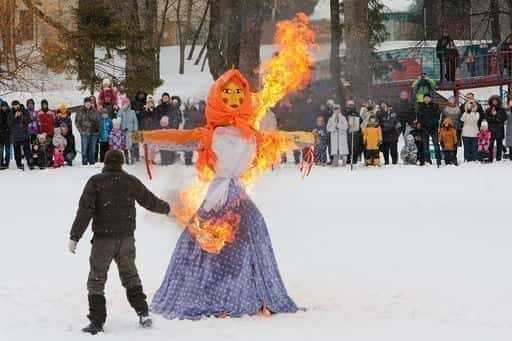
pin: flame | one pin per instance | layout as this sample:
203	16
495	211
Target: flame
288	71
290	68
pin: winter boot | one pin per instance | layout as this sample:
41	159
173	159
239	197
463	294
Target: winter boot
93	328
97	314
335	161
137	300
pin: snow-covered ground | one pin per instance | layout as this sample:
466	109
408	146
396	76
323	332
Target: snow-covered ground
395	253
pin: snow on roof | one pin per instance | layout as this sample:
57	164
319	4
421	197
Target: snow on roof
322	10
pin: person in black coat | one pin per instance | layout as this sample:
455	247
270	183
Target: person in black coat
390	126
18	120
429	116
138	105
70	150
175	116
194	118
496	116
406	113
448	56
108	199
5	136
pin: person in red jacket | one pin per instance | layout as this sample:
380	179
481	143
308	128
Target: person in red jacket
46	119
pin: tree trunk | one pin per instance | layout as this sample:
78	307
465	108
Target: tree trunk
214	53
250	38
181	39
86	62
358	55
141	48
335	63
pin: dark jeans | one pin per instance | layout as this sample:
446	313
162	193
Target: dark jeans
470	148
89	143
450	157
69	157
134	153
104	147
426	146
499	149
358	146
188	158
421	152
18	148
5	155
388	148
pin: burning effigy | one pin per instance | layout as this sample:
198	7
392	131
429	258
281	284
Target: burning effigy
224	264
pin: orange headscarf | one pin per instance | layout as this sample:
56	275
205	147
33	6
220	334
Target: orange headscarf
219	114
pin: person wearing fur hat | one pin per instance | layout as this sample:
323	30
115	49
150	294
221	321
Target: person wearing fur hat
108	199
449	141
46	118
62	116
5	136
496	116
18	121
484	142
409	152
129	124
88	122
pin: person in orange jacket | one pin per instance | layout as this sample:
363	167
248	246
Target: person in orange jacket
372	138
448	140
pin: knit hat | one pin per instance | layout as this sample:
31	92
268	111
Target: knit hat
63	108
166	94
44	101
87	99
484	124
106	82
114	159
116	122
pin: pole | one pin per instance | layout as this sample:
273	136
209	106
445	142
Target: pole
352	150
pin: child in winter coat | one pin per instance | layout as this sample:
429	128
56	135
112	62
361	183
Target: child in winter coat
372	139
62	116
417	133
117	138
484	142
59	144
104	134
409	153
337	126
129	124
42	151
322	141
448	140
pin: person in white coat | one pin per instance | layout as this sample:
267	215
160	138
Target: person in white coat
337	126
470	130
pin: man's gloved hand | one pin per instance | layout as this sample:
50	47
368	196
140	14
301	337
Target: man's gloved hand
72	246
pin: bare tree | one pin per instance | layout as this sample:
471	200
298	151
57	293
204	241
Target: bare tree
198	31
181	38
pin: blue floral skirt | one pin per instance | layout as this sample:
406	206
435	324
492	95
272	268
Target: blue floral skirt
239	281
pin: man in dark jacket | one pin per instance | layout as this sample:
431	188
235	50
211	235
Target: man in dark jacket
18	120
138	105
429	116
88	124
5	136
194	118
406	113
109	201
496	117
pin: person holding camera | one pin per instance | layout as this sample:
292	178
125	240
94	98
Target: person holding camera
470	119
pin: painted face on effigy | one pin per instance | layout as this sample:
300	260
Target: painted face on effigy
233	95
